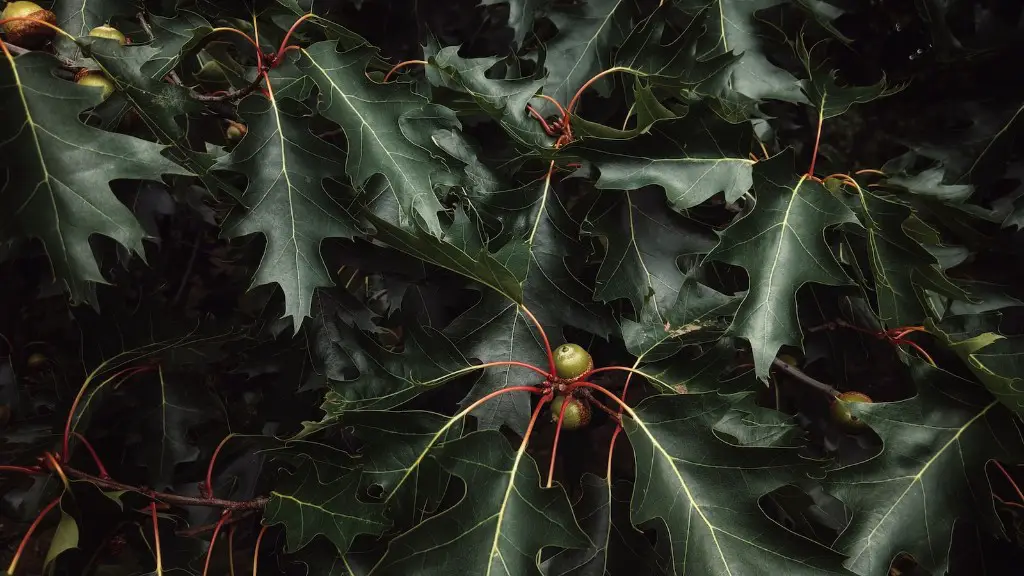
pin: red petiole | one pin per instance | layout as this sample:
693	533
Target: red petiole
95	457
28	535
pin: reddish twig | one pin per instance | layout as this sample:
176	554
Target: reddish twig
817	141
156	539
256	553
31	529
209	468
31	470
126	373
284	43
213	540
249	39
543	335
616	416
554	443
1010	480
95	457
401	65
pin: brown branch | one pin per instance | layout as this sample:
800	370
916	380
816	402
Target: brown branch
232	95
16	50
254	504
798	374
600	406
145	25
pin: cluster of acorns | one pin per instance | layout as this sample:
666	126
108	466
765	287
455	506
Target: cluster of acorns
571	362
32	33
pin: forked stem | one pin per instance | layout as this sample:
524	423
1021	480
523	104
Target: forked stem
1009	478
920	350
127	373
288	36
28	535
576	97
249	39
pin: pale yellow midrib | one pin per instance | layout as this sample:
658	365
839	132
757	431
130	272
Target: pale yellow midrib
778	249
917	477
288	183
362	120
39	153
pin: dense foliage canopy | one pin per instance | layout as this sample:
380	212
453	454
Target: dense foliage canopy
516	287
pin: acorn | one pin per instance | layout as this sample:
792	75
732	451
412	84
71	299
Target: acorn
572	361
235	131
26	33
110	33
577	412
95	79
36	361
841	413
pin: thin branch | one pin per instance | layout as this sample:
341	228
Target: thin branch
798	374
600	405
18	51
230	95
254	504
171	75
141	16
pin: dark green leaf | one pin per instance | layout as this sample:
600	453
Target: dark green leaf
499	526
371	116
781	244
900	265
644	241
317	501
706	490
930	472
286	200
60	191
587	32
692	158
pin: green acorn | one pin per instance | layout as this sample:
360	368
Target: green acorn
572	361
841	413
577	412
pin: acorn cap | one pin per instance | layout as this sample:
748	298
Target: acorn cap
26	33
